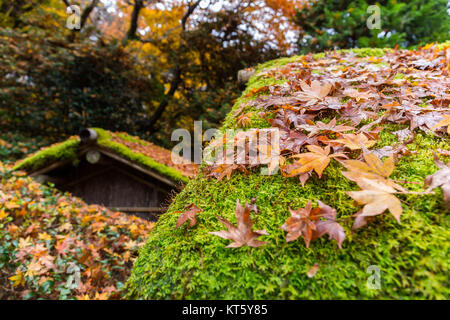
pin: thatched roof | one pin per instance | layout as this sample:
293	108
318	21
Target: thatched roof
134	149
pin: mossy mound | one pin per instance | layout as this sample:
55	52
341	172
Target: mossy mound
192	264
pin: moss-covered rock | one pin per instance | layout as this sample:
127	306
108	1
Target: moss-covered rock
192	264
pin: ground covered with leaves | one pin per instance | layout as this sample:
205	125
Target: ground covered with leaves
364	152
54	246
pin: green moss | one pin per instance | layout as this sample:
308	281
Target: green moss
255	82
104	140
68	149
192	264
443	45
62	151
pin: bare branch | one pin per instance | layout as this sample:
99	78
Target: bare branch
138	6
190	10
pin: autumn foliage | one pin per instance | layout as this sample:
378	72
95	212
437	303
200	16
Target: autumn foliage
54	246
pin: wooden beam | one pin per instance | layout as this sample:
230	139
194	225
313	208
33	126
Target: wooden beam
115	156
138	167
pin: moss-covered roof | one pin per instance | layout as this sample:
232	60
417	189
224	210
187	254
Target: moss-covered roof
412	256
130	147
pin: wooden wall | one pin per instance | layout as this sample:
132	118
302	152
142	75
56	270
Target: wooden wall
112	184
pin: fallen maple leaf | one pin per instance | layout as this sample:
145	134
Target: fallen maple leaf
328	224
243	233
300	223
189	214
3	214
244	119
443	123
317	159
358	95
376	198
45	236
33	269
355	141
313	93
18	279
441	179
373	168
11	205
222	170
315	129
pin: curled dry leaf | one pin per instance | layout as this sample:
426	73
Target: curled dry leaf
225	170
358	95
189	214
243	233
441	179
354	113
244	120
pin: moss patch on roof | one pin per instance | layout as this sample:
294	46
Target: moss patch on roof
60	151
148	155
192	264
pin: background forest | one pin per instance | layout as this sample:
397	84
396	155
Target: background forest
148	67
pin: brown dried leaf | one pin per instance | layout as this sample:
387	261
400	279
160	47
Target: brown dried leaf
300	223
242	234
317	159
315	92
355	141
373	168
313	270
222	170
443	123
315	129
189	214
328	224
376	198
359	95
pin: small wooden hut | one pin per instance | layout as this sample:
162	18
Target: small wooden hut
116	170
